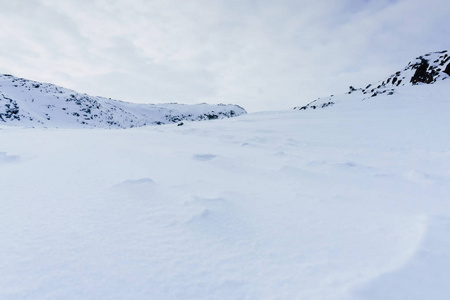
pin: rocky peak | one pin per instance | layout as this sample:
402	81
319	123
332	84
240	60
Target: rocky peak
426	69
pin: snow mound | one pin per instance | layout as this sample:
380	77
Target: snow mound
426	69
134	182
33	104
203	157
423	276
5	158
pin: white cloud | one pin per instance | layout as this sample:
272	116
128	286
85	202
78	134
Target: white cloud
260	54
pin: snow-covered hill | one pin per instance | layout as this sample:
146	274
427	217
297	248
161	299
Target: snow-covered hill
427	69
33	104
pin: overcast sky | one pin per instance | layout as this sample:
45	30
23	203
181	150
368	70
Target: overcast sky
262	55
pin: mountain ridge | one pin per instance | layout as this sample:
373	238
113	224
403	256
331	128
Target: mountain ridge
30	103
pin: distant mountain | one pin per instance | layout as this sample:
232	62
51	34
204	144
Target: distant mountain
33	104
427	69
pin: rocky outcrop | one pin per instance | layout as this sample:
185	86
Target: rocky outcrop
426	69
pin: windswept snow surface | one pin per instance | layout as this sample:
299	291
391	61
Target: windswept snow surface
348	203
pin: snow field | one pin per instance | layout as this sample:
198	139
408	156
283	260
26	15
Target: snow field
349	202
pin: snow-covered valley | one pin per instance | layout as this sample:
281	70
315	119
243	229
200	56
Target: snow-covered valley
347	202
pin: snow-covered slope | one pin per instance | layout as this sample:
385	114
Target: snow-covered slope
343	203
33	104
427	69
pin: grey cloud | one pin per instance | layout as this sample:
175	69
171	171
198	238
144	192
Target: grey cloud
260	54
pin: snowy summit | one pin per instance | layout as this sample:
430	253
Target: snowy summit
33	104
